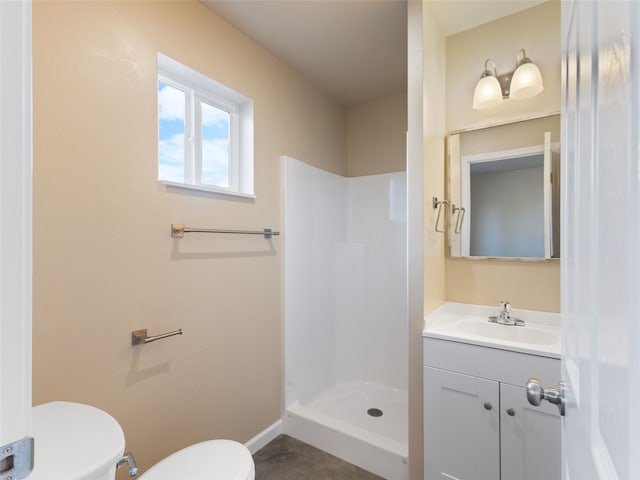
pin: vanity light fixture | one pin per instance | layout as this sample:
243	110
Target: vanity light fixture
492	89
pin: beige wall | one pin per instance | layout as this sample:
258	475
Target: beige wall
532	285
104	262
434	165
377	136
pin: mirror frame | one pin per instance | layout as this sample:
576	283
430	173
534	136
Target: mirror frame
448	187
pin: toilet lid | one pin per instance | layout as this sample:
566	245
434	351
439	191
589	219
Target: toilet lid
210	460
74	441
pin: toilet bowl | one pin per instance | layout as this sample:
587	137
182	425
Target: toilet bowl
79	442
210	460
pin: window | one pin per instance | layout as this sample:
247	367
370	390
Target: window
205	132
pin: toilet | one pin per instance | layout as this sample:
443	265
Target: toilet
79	442
219	459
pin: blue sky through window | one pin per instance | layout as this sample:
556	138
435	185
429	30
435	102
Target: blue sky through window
171	119
171	133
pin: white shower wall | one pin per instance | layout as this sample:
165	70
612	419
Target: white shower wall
345	280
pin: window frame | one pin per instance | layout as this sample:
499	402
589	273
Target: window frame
199	89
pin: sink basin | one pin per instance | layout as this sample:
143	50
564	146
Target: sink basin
469	324
526	334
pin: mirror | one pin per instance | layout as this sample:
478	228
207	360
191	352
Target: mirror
503	183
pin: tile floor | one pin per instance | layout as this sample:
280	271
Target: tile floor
286	458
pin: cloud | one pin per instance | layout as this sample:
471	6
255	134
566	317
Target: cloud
215	162
171	106
212	116
171	103
171	159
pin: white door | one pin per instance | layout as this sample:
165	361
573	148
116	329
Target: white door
15	232
601	240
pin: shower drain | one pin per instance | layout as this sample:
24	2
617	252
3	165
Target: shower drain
375	412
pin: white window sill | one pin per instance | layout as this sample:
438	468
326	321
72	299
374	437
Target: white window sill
207	188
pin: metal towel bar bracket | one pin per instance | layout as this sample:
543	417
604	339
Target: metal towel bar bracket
439	204
140	337
178	230
459	218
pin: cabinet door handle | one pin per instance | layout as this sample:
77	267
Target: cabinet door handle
488	406
511	412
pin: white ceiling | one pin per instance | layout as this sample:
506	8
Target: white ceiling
355	50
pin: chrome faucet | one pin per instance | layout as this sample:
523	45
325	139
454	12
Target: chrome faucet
504	317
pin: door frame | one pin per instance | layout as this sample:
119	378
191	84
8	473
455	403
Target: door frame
15	220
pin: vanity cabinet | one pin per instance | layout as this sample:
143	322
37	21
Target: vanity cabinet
478	424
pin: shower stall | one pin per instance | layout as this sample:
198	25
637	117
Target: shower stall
346	361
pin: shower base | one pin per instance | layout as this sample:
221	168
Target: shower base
363	423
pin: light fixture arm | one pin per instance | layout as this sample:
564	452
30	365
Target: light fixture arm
522	58
488	72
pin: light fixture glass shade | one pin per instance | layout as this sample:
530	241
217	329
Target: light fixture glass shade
488	93
526	81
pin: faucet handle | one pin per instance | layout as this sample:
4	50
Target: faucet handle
505	306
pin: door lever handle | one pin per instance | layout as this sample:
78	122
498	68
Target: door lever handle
128	459
536	394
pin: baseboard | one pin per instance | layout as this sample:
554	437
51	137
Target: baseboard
264	437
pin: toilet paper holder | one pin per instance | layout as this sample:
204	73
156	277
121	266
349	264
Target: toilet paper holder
140	337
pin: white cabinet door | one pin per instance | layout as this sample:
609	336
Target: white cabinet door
529	437
461	424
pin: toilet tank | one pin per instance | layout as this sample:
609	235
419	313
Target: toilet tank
75	442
